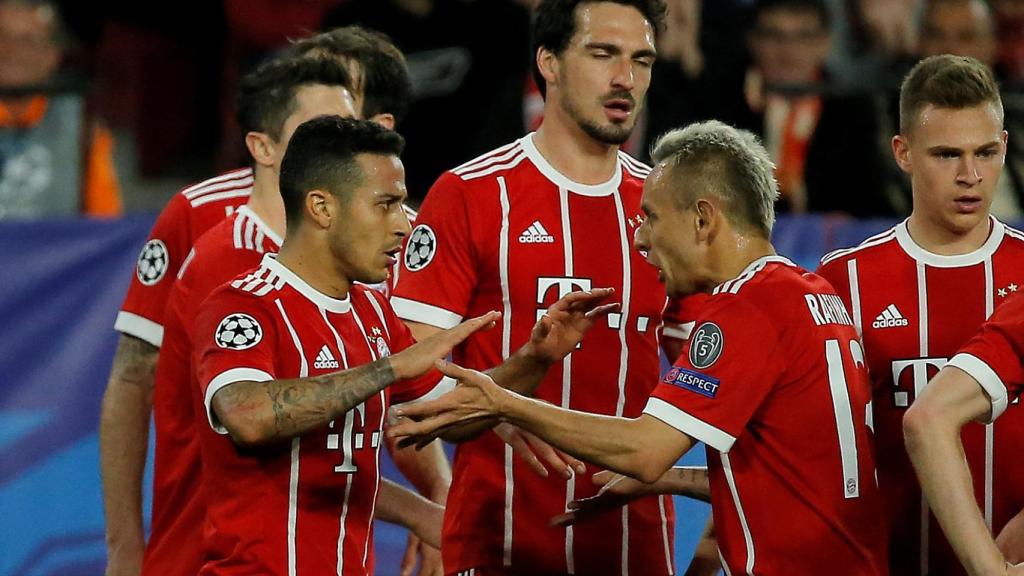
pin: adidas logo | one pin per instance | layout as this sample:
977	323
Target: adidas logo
536	234
890	318
325	360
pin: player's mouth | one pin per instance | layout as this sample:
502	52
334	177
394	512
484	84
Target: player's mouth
392	255
967	203
618	109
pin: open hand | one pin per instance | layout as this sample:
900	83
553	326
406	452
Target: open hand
562	327
420	357
616	491
538	454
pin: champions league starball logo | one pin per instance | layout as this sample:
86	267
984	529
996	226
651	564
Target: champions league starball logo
421	248
238	331
153	261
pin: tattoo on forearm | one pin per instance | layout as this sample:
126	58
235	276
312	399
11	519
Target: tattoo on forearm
134	361
303	404
693	482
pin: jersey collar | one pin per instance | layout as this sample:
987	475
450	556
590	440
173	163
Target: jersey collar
319	298
603	189
915	251
267	231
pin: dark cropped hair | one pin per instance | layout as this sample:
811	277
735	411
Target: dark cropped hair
321	155
946	82
385	84
266	96
554	25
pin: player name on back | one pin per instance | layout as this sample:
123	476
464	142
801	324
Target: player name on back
827	309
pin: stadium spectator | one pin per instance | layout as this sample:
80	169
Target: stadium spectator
919	290
804	121
978	384
55	158
513	230
771	341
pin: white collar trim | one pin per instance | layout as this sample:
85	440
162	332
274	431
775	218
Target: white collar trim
611	186
319	298
985	252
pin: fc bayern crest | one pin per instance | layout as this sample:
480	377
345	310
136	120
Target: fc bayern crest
153	261
706	345
421	248
238	331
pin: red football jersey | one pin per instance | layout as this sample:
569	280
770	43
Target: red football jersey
773	379
914	310
995	356
508	232
233	246
186	217
305	506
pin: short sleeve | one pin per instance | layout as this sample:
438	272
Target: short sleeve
161	257
993	357
726	370
234	340
437	276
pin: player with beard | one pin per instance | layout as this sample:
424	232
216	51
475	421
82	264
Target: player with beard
514	230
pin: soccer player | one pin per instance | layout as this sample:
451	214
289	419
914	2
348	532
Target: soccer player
978	384
515	229
284	90
772	378
292	482
918	291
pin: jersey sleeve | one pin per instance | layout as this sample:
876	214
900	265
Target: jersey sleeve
727	369
427	386
234	339
142	312
438	273
993	357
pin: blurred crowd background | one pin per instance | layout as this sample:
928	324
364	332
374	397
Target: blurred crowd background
110	107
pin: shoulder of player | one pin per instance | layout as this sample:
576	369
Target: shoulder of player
869	248
633	169
227	186
497	161
1014	235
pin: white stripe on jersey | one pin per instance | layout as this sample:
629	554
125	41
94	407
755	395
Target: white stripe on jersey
236	230
851	272
747	537
519	157
233	179
989	430
569	264
489	161
634	166
875	240
664	534
506	339
380	313
625	540
184	264
234	193
483	158
341	528
293	480
922	327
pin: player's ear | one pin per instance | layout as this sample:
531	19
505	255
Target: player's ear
385	119
706	221
901	152
320	207
261	148
547	63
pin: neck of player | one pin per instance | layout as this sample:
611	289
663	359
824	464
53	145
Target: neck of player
728	258
572	151
266	201
944	240
308	255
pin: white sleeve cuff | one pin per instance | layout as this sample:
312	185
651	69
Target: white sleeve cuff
226	379
677	331
424	313
139	327
444	386
987	378
687	424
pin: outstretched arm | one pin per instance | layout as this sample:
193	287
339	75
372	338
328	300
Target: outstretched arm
257	413
643	447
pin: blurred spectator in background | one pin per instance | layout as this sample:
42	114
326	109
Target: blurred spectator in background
1010	22
55	159
468	60
825	144
968	28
